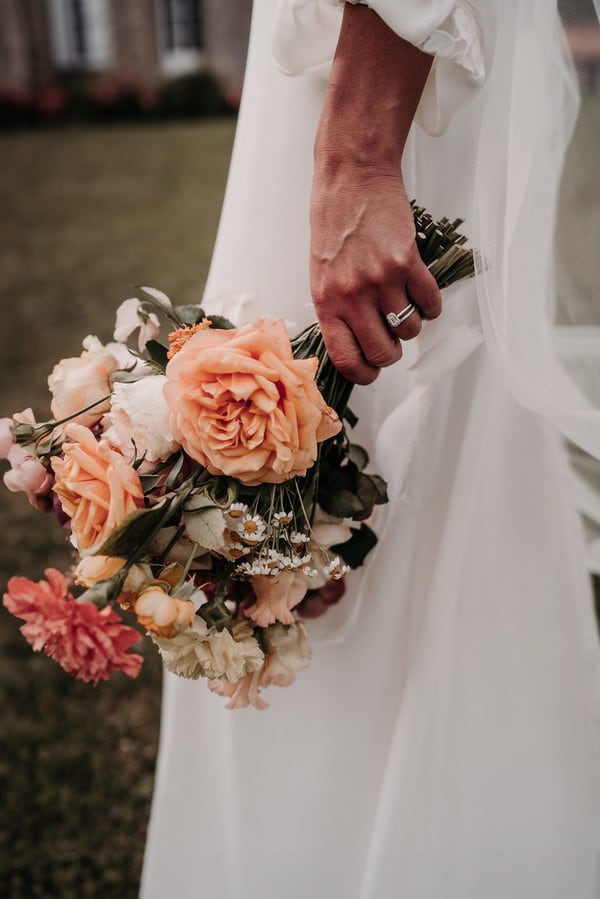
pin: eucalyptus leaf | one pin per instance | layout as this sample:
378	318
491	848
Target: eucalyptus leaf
342	503
221	323
381	487
104	591
355	550
158	297
135	530
190	314
157	353
204	525
358	455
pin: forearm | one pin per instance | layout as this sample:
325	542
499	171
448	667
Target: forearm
364	261
374	89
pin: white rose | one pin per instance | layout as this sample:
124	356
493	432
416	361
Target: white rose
139	415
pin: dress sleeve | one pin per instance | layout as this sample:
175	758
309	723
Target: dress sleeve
452	31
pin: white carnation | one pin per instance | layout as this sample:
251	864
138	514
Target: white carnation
202	652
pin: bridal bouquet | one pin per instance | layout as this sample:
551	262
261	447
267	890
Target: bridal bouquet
209	488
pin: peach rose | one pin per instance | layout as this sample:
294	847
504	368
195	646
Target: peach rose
95	485
79	381
275	596
243	406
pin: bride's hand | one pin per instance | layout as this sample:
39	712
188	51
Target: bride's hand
364	261
364	265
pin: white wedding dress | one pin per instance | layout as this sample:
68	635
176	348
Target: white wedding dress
443	744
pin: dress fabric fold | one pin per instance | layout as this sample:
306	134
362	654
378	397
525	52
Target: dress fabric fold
444	740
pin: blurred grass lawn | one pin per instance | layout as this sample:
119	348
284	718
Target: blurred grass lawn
88	214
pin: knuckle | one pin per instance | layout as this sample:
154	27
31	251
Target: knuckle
382	357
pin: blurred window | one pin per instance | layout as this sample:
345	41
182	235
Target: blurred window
183	25
79	29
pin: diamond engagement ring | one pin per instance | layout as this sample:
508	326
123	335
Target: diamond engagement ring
396	318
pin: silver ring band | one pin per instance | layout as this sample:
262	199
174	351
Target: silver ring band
394	319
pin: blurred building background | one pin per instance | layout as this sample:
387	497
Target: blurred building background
111	57
52	48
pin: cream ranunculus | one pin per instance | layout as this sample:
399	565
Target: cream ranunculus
200	651
163	614
79	381
140	415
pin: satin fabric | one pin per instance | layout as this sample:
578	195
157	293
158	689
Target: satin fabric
444	740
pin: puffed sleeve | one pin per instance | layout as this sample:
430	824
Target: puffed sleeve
452	31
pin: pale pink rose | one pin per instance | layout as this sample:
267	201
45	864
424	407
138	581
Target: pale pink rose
162	614
79	381
96	487
243	693
275	596
132	315
244	407
7	440
28	475
140	415
86	642
287	652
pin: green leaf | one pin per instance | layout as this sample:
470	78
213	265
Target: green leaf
358	455
157	353
360	544
158	298
220	322
190	314
135	530
104	591
350	417
204	522
381	487
343	503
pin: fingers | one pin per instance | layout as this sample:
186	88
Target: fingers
423	291
359	362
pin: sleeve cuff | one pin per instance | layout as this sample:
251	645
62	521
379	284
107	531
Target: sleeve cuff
306	33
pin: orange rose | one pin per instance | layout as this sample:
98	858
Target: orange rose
243	406
95	485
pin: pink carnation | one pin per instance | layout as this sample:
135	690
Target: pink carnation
87	642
